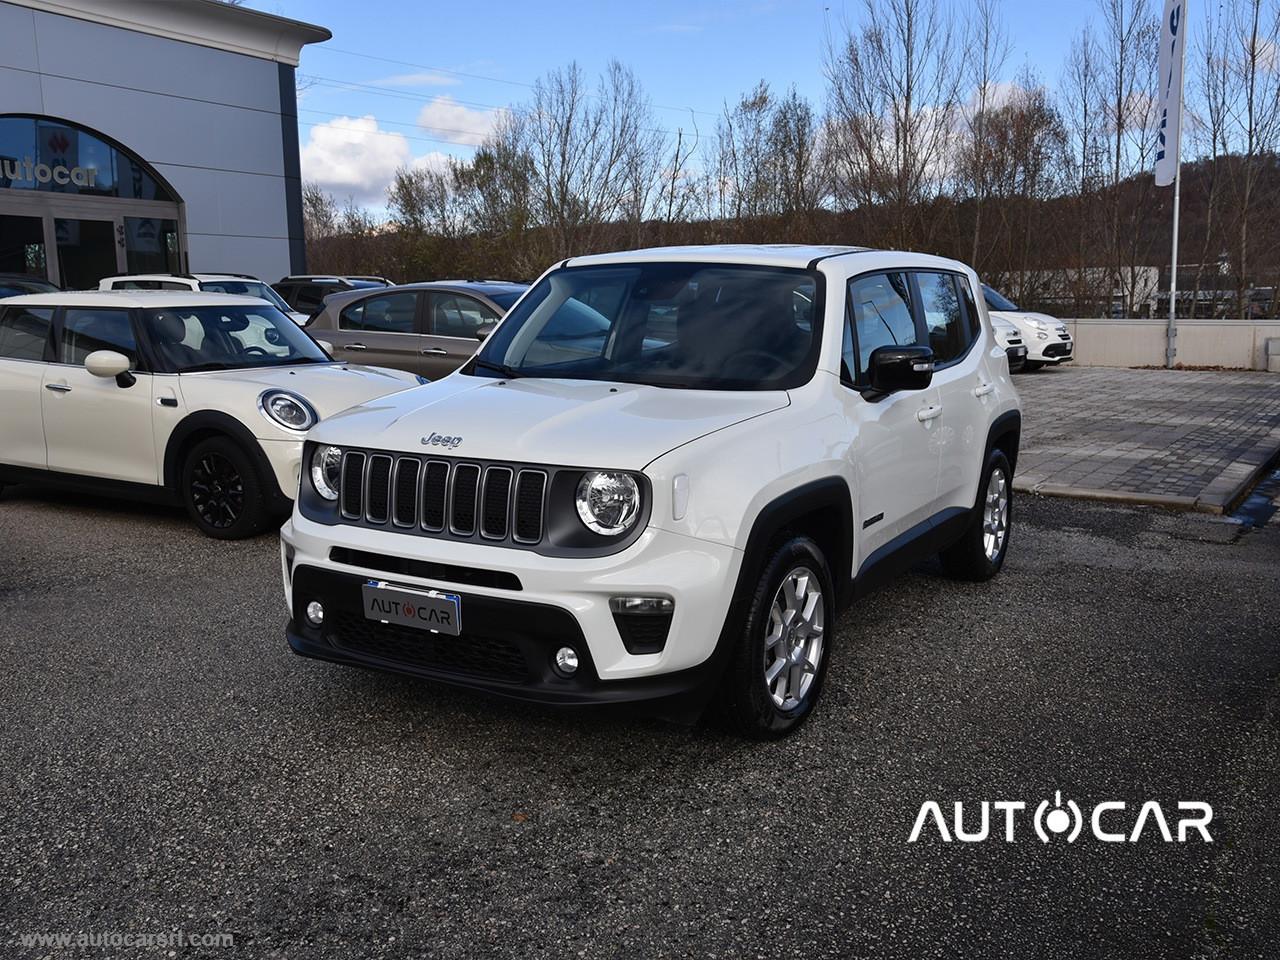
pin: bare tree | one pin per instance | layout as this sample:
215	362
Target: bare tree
892	89
988	46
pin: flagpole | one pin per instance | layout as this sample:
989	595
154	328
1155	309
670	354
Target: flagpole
1171	346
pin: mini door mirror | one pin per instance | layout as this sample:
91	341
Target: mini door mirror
482	333
900	368
108	363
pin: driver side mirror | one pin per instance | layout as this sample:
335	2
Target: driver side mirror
482	332
109	363
899	368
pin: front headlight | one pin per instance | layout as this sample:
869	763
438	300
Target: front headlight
1040	325
287	410
608	502
326	470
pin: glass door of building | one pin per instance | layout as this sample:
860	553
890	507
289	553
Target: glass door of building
88	250
22	248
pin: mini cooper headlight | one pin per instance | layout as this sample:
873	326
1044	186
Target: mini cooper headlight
326	470
287	410
608	502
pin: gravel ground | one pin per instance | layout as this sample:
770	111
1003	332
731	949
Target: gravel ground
169	765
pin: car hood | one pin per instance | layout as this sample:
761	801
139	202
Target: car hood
328	387
1023	319
533	420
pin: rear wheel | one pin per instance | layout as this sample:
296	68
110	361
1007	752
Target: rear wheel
222	491
979	553
779	663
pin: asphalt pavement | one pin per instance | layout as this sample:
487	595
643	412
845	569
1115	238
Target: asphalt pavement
168	765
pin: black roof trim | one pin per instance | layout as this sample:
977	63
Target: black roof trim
843	253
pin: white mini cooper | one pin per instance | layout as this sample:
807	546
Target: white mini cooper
660	479
195	398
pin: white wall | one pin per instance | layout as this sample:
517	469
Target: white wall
207	120
1202	343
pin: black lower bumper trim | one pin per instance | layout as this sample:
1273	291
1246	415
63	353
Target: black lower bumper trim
506	648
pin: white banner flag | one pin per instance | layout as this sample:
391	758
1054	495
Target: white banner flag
1168	146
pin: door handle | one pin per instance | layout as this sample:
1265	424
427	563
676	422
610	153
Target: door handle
435	352
982	389
354	346
57	387
929	412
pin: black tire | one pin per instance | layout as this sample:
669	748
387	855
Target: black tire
967	558
223	493
746	703
1032	365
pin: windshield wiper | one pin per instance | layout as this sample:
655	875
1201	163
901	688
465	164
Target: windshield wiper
502	368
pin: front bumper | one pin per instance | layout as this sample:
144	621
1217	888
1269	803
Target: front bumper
1017	357
285	457
1053	350
518	607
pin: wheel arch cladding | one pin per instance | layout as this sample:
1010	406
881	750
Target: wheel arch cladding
1005	435
821	510
206	424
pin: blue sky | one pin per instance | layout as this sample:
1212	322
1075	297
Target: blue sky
444	67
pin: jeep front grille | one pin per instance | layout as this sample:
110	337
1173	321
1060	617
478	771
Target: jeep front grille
492	502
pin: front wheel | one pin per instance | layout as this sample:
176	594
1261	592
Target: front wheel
222	491
778	665
979	553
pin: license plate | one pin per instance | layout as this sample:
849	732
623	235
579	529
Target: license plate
423	609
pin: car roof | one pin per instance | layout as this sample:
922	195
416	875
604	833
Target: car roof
774	255
480	288
147	276
759	254
132	298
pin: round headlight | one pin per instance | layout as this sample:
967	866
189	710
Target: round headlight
326	470
608	502
288	410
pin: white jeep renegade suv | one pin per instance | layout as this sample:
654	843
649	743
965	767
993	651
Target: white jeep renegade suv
660	479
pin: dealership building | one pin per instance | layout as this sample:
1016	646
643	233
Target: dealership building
143	136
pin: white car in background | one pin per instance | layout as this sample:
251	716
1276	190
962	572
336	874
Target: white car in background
1047	339
1010	337
237	284
200	399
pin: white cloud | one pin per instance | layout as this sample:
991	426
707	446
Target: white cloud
350	156
435	160
425	79
446	119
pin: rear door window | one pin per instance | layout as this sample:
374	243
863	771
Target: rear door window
24	333
456	315
947	327
394	313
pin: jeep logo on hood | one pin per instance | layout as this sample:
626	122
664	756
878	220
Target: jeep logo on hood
436	440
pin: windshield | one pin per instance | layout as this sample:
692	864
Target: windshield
995	301
247	288
698	326
191	339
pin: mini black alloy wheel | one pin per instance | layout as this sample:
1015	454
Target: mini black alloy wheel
222	490
217	490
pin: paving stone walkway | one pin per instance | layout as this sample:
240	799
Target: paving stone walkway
1169	437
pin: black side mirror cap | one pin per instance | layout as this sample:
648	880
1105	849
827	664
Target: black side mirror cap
899	368
482	333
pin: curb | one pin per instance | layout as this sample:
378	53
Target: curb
1167	501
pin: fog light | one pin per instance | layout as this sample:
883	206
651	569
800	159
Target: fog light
567	661
655	605
315	613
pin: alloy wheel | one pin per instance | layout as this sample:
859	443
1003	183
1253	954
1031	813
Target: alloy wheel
217	490
995	515
793	646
